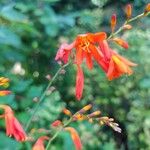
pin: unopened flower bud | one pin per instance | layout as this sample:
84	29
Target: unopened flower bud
121	42
96	113
85	108
113	22
128	11
67	112
127	27
147	8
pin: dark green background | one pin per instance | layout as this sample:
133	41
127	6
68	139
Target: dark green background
30	34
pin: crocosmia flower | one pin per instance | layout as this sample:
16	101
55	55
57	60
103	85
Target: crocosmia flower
39	145
75	137
93	46
13	127
118	66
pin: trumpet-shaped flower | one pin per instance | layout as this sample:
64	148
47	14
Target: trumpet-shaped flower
13	127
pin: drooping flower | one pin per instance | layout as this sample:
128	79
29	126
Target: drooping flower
75	137
13	127
79	82
64	52
39	145
118	66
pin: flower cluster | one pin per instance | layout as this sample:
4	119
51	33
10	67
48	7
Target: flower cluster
94	46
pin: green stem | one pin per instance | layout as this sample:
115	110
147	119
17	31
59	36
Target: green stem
126	22
43	95
57	132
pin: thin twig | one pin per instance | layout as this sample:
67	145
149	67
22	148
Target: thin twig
43	95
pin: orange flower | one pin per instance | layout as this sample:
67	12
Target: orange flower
75	137
86	48
64	52
4	92
113	22
39	145
121	42
118	66
79	83
13	127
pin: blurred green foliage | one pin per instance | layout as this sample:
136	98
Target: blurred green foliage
30	34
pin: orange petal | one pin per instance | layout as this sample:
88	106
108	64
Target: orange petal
89	60
104	47
79	56
79	82
99	36
75	137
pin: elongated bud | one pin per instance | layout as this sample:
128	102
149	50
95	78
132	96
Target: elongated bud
127	27
147	8
113	22
96	113
67	112
4	92
56	123
121	42
85	108
128	11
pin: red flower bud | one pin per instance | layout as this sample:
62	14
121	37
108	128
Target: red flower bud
113	22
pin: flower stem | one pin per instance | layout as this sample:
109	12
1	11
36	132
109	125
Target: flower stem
44	93
126	22
57	132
